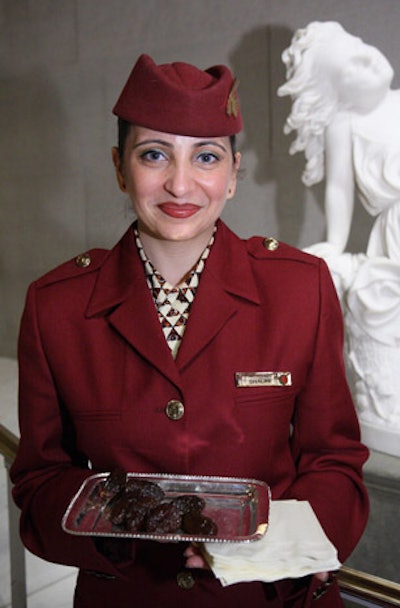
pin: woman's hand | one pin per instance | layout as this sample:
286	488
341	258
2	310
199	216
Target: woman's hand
194	558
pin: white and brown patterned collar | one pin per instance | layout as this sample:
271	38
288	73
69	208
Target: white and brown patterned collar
172	302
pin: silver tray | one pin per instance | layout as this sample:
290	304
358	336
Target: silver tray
239	507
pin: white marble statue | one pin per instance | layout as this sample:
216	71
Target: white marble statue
347	120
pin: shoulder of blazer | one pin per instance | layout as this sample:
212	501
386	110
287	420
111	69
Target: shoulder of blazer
269	248
81	265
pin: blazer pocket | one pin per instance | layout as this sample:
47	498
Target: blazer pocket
268	395
96	415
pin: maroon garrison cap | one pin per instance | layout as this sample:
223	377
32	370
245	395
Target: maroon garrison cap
179	98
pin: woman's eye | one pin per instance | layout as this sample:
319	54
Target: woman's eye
153	155
207	158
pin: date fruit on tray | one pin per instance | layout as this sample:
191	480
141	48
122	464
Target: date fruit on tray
168	507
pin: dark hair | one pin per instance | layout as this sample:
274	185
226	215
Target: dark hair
123	131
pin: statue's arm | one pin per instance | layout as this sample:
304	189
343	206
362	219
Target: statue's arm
339	189
339	192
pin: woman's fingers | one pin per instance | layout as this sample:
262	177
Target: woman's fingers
194	558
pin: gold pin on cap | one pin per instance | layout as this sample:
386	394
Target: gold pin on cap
232	105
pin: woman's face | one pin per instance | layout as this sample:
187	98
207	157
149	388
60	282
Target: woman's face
361	73
178	185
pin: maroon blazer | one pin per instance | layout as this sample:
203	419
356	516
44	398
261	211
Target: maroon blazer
96	375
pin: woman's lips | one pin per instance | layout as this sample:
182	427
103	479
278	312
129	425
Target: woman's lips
179	210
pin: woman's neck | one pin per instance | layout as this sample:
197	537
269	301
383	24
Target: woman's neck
174	259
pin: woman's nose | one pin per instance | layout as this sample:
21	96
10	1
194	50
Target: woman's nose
179	180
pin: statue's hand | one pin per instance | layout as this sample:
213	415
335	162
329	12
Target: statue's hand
324	250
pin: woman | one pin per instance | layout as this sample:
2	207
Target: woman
346	117
114	375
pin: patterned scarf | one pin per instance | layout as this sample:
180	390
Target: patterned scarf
173	303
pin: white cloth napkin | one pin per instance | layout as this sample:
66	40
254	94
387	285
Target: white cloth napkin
294	545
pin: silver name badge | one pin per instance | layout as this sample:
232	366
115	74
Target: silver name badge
263	379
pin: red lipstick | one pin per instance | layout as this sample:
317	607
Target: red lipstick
179	211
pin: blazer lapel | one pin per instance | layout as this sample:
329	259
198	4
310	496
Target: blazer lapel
137	322
121	295
227	281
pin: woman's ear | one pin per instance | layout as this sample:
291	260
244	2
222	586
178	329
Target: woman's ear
118	168
236	166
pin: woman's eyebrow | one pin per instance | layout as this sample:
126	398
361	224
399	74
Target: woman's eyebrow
147	142
209	142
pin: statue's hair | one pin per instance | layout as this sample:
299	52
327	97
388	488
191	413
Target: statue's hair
314	98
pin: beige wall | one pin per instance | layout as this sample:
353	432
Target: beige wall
62	65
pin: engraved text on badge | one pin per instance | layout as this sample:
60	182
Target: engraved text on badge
263	379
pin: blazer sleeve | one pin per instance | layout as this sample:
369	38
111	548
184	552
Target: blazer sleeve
46	472
326	439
